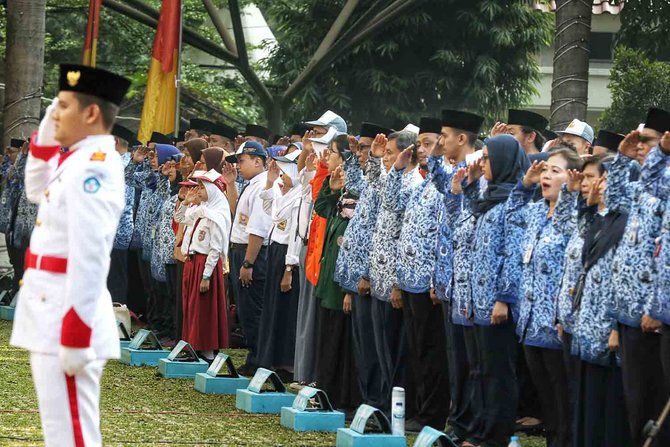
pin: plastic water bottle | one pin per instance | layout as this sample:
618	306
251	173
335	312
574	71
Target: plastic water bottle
398	411
514	442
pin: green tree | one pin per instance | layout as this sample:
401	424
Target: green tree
645	25
471	54
636	83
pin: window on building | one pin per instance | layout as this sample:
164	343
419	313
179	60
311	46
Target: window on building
602	46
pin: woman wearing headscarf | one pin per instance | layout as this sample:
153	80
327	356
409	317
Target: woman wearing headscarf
281	201
205	320
498	235
335	366
600	410
549	223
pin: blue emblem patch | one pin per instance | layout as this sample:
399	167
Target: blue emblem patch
91	185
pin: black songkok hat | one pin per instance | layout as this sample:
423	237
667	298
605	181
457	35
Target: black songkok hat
124	133
608	139
93	81
16	143
159	138
548	134
430	125
254	130
527	118
658	119
462	120
300	129
371	130
209	127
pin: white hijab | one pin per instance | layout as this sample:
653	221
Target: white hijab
217	210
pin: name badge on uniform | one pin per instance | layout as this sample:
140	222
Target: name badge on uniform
244	219
201	235
657	250
281	226
634	226
528	255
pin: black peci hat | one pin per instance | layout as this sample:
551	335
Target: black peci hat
371	130
124	133
16	143
429	124
548	134
608	139
658	119
527	118
159	138
93	81
462	120
254	130
209	127
300	129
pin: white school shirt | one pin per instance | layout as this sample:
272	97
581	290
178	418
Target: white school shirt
284	223
201	236
250	218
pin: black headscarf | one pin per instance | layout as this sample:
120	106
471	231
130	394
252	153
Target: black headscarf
509	163
603	235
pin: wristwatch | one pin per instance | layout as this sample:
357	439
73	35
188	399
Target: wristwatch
289	268
205	278
247	265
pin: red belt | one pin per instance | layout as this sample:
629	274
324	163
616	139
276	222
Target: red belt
47	263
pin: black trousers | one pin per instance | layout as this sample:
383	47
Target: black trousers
365	351
169	312
249	300
427	342
665	353
644	386
137	295
571	368
17	257
600	411
464	379
547	369
498	350
178	305
117	279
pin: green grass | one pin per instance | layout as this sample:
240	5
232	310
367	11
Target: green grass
139	408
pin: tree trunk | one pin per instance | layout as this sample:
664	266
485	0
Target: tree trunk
570	85
25	67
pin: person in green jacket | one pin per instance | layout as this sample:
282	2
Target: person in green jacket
335	368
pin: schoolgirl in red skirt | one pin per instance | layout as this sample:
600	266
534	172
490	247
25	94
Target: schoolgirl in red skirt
205	246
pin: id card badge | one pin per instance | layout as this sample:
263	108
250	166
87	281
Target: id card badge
634	226
528	255
657	250
153	233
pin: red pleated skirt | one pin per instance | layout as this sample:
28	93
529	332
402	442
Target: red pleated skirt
205	321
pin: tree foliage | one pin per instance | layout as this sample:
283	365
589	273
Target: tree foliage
636	83
470	54
124	46
645	25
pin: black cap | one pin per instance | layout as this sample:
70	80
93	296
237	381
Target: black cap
548	134
608	139
16	143
658	119
254	130
430	125
462	120
159	138
124	133
300	129
371	130
248	148
527	118
93	81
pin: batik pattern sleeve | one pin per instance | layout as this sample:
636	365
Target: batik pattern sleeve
620	190
354	180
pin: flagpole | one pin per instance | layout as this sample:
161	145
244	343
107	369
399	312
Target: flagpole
178	79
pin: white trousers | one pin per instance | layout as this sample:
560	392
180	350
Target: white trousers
69	406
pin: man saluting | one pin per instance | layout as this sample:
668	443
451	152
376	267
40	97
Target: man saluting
64	315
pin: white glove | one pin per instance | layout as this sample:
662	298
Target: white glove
74	360
46	133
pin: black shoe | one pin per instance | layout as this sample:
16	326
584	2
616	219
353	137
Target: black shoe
247	370
413	426
284	375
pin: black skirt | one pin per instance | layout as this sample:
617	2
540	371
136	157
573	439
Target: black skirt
335	366
276	338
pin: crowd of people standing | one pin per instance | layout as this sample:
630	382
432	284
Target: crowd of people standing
485	276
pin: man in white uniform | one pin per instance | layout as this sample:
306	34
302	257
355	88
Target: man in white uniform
64	315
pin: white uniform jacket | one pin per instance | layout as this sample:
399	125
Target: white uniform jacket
81	198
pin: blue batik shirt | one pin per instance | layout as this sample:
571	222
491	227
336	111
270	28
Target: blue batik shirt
496	254
353	258
24	213
141	177
153	215
384	254
424	210
124	232
543	250
660	306
593	322
162	252
11	192
633	267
